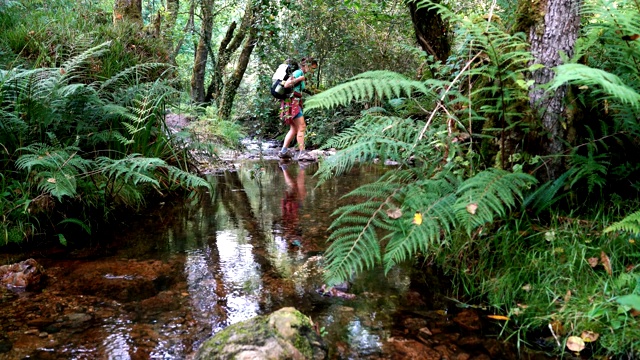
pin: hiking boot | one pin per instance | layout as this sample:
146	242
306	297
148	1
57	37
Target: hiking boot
285	155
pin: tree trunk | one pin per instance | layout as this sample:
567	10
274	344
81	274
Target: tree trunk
550	36
432	32
188	28
231	42
172	7
202	52
127	10
232	84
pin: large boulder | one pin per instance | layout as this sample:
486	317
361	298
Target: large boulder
284	334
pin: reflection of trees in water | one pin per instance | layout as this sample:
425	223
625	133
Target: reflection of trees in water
247	258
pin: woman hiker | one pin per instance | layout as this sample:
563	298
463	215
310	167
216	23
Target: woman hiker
291	111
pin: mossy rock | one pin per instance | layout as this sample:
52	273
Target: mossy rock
284	334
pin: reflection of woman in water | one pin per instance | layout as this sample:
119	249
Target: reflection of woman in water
291	204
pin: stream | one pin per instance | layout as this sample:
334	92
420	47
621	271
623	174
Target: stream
158	285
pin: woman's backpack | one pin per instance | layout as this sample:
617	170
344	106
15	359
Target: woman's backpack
281	75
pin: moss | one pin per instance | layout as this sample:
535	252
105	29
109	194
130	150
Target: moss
530	13
286	326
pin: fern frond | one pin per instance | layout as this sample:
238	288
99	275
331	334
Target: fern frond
186	179
610	83
57	183
133	168
76	65
630	224
355	243
367	86
434	200
383	137
126	78
488	195
592	167
56	169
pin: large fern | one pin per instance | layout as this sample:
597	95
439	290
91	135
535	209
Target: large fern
366	86
56	169
439	189
415	216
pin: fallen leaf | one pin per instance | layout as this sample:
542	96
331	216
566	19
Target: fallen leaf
606	262
394	213
471	208
566	299
527	287
51	180
631	37
567	296
417	218
498	317
575	343
632	241
589	336
593	262
556	327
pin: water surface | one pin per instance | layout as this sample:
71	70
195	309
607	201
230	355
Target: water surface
170	278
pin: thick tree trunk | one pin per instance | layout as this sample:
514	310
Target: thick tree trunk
556	33
432	32
127	10
202	52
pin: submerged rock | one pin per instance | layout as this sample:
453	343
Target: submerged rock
284	334
25	274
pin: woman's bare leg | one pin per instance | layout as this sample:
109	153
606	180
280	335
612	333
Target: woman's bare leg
293	130
300	126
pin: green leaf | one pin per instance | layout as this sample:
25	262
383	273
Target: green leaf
631	300
62	239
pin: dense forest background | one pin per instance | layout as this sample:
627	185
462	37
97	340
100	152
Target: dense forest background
514	124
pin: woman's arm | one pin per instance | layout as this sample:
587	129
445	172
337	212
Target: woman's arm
293	82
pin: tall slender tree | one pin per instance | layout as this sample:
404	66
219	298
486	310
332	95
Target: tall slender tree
202	52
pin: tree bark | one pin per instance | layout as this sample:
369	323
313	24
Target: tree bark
550	36
232	84
432	32
229	44
127	10
202	52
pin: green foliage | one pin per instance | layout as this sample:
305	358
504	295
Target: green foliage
385	213
630	224
605	85
367	86
420	209
87	142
